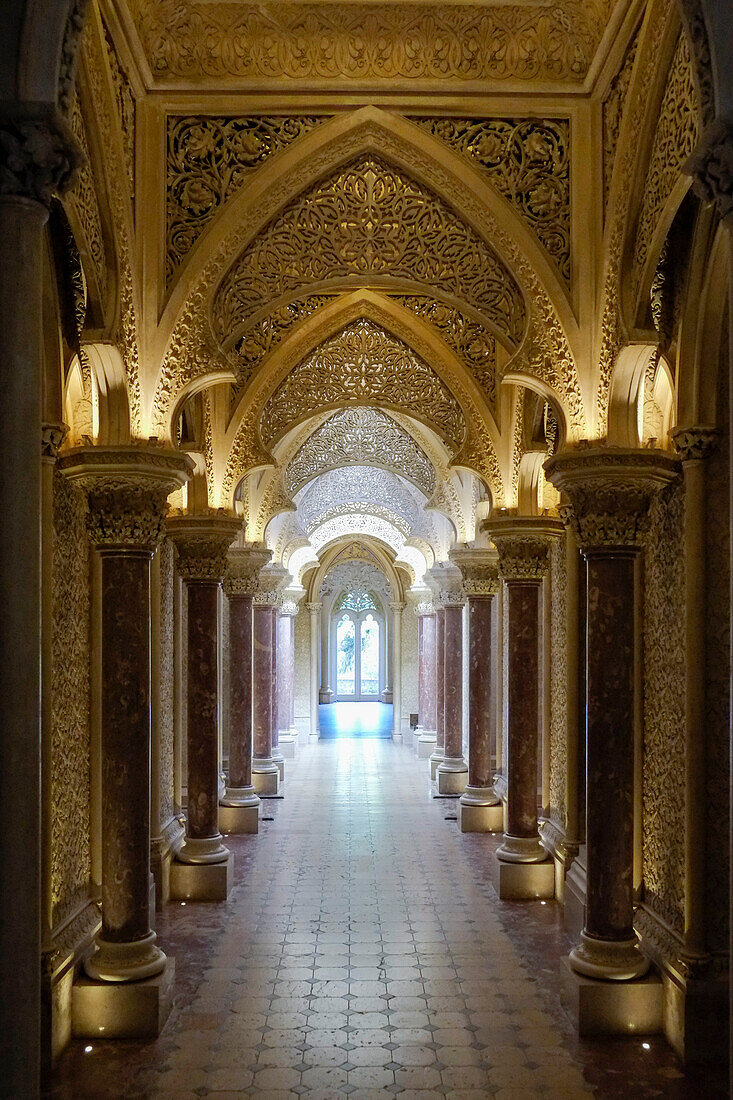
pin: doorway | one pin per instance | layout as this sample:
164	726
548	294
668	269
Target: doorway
358	649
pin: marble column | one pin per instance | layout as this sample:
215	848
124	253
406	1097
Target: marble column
426	732
265	771
287	733
239	808
277	755
37	158
314	610
439	751
610	491
202	543
479	808
523	546
396	607
127	490
452	773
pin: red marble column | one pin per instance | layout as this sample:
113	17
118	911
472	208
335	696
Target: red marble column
452	769
439	751
610	491
265	772
202	543
127	491
523	546
277	756
426	677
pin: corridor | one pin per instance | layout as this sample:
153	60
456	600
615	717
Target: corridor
355	720
363	952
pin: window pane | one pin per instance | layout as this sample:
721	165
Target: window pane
345	657
370	656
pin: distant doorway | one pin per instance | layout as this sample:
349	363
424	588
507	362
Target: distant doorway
358	649
341	720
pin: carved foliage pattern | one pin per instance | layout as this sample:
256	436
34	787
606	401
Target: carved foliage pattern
360	437
528	162
83	198
363	364
674	141
125	103
166	673
613	109
185	40
208	160
370	219
558	682
356	488
664	707
70	699
267	332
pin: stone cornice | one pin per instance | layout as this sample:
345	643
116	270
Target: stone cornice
610	490
202	543
480	570
127	489
523	544
244	564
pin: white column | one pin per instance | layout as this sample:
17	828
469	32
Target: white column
315	614
396	609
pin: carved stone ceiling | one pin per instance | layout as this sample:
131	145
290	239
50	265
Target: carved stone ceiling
363	364
194	42
369	222
361	488
358	576
360	436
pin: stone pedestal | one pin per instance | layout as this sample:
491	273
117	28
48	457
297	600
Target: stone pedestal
522	544
240	819
122	1010
480	810
202	543
612	1008
526	881
127	490
439	751
202	881
452	774
609	491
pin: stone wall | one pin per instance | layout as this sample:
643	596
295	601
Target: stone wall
558	683
70	703
664	708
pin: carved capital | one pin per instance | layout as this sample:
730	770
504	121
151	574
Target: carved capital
523	545
244	564
711	166
610	490
397	606
425	607
202	543
127	489
38	158
291	597
52	439
480	570
273	579
314	607
695	444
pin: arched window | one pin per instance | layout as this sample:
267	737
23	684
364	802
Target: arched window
357	601
358	643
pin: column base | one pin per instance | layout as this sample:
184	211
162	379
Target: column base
434	759
265	777
288	744
208	850
125	962
415	741
313	738
425	745
610	960
325	696
279	761
452	775
386	696
612	1008
113	1010
202	881
479	811
527	881
520	849
240	819
397	737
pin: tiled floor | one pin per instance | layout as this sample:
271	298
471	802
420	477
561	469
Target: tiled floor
363	952
355	720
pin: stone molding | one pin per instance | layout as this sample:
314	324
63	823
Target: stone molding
244	564
523	545
695	444
202	543
39	158
314	606
52	440
610	490
480	570
711	166
127	490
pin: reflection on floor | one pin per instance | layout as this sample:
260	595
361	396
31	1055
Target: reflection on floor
355	720
364	953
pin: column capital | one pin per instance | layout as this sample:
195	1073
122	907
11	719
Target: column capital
446	583
314	606
711	166
397	605
127	489
523	544
695	443
52	439
202	543
610	490
39	157
244	564
273	579
480	570
424	608
291	597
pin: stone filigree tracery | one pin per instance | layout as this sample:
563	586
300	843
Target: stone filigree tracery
528	161
360	436
358	488
361	364
370	220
